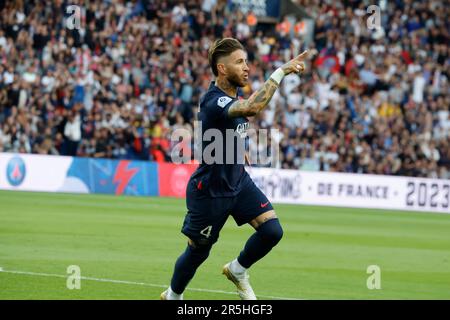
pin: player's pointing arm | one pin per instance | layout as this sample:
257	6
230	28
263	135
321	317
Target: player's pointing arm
260	98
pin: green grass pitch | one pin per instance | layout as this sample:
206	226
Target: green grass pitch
126	248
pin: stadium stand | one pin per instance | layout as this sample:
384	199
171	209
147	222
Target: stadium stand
374	102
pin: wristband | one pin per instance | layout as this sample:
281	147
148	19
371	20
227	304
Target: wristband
278	75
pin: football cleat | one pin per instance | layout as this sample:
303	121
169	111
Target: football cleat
166	296
163	295
243	287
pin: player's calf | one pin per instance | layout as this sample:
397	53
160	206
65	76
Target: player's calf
187	265
261	242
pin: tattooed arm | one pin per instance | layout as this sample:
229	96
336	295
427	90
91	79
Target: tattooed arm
260	98
257	101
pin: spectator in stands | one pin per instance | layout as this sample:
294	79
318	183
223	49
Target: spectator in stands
377	101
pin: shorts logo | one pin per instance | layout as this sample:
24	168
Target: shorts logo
223	101
15	171
263	205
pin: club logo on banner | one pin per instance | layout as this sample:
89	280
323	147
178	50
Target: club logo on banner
16	171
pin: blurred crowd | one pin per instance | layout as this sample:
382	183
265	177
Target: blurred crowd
374	100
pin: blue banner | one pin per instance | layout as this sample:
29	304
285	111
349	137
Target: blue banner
137	178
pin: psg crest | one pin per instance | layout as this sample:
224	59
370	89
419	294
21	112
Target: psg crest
15	171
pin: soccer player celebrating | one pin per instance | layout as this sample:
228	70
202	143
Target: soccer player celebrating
216	190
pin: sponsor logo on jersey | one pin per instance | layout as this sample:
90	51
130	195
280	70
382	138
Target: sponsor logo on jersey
242	129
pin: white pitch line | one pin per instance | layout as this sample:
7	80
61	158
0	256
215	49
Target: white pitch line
133	283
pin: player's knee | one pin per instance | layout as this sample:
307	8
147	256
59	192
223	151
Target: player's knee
199	250
271	231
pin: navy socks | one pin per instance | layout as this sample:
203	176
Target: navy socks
186	266
261	242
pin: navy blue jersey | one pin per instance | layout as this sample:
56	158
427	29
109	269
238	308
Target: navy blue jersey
221	178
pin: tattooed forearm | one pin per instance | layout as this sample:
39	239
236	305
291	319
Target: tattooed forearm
256	102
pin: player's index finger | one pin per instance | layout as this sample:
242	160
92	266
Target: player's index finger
302	55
